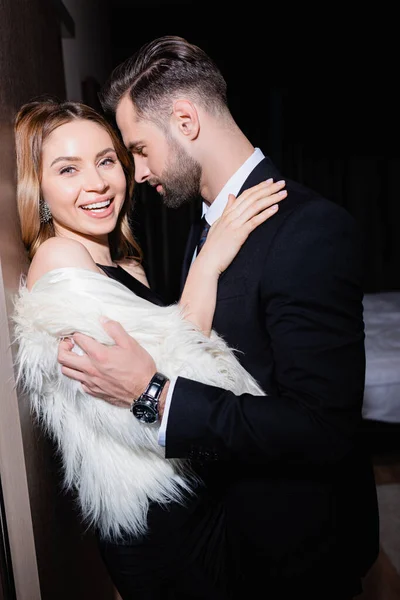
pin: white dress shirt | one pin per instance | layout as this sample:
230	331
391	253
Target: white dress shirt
213	212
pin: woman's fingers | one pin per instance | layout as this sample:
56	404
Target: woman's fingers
231	200
260	190
257	193
240	217
240	232
258	206
260	217
244	213
242	229
264	190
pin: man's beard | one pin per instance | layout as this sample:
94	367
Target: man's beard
180	178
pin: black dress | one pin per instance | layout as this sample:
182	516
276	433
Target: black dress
182	557
133	284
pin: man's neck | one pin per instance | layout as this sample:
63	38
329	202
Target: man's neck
223	155
232	186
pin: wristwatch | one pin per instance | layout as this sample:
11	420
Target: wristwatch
145	408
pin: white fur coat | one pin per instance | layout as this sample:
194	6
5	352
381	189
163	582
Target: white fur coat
113	462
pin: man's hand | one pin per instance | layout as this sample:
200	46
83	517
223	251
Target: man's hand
117	374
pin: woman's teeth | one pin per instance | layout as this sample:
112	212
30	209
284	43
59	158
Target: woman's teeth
97	205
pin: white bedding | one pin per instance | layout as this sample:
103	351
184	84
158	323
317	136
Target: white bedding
382	346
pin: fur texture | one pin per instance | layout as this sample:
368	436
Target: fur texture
113	462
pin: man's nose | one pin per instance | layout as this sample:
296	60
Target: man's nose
142	171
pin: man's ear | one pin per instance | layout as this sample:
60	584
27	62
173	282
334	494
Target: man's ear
186	118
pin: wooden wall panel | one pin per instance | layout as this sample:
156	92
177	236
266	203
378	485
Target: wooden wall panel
51	556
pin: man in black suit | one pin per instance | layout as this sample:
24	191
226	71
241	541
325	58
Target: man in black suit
298	492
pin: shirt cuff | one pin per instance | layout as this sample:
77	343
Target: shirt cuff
162	432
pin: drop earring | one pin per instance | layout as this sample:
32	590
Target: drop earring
44	212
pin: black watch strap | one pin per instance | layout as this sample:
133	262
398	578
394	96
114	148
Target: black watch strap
156	386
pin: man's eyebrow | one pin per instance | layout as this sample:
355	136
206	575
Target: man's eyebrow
133	146
78	159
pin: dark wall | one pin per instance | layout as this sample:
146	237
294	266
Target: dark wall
64	557
316	92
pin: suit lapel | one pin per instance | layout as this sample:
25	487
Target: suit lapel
194	235
263	171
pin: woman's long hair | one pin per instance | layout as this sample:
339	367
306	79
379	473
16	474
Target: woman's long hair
34	122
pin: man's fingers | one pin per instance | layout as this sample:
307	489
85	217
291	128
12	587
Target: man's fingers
65	344
73	373
116	332
88	344
68	358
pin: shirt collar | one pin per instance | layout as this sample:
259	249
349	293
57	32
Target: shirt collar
232	186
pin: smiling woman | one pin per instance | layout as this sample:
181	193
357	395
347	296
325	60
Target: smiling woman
75	183
94	182
76	160
83	189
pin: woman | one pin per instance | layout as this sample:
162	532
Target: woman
159	532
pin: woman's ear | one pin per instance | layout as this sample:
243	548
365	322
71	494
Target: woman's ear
186	118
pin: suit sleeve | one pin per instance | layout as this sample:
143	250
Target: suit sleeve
311	299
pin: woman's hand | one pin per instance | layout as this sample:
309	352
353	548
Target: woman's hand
240	217
225	238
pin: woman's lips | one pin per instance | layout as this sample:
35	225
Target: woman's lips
100	213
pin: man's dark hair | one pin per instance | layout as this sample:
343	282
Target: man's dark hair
157	71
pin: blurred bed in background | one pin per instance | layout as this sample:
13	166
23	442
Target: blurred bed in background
381	409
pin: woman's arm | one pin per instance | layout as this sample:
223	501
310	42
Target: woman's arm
225	238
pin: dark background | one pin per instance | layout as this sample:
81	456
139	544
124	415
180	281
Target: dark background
317	93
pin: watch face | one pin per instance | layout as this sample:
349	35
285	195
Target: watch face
145	412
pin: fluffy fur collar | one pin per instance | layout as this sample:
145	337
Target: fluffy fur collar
113	462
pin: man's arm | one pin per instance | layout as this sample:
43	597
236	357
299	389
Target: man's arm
311	294
117	373
312	300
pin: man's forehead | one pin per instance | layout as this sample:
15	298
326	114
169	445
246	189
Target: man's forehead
126	121
125	110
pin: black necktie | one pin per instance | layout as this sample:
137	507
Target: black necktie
204	231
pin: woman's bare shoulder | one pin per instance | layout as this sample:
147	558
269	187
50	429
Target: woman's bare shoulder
135	269
58	252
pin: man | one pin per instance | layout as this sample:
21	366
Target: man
298	493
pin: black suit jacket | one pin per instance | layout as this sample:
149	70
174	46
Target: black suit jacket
298	490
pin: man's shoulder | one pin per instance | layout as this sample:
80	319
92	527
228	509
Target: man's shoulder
303	215
302	199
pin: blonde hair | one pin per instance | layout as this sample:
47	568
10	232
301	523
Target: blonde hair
34	122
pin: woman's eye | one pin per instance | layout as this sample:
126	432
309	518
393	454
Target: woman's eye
107	161
67	170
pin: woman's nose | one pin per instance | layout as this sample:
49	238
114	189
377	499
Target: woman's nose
94	181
